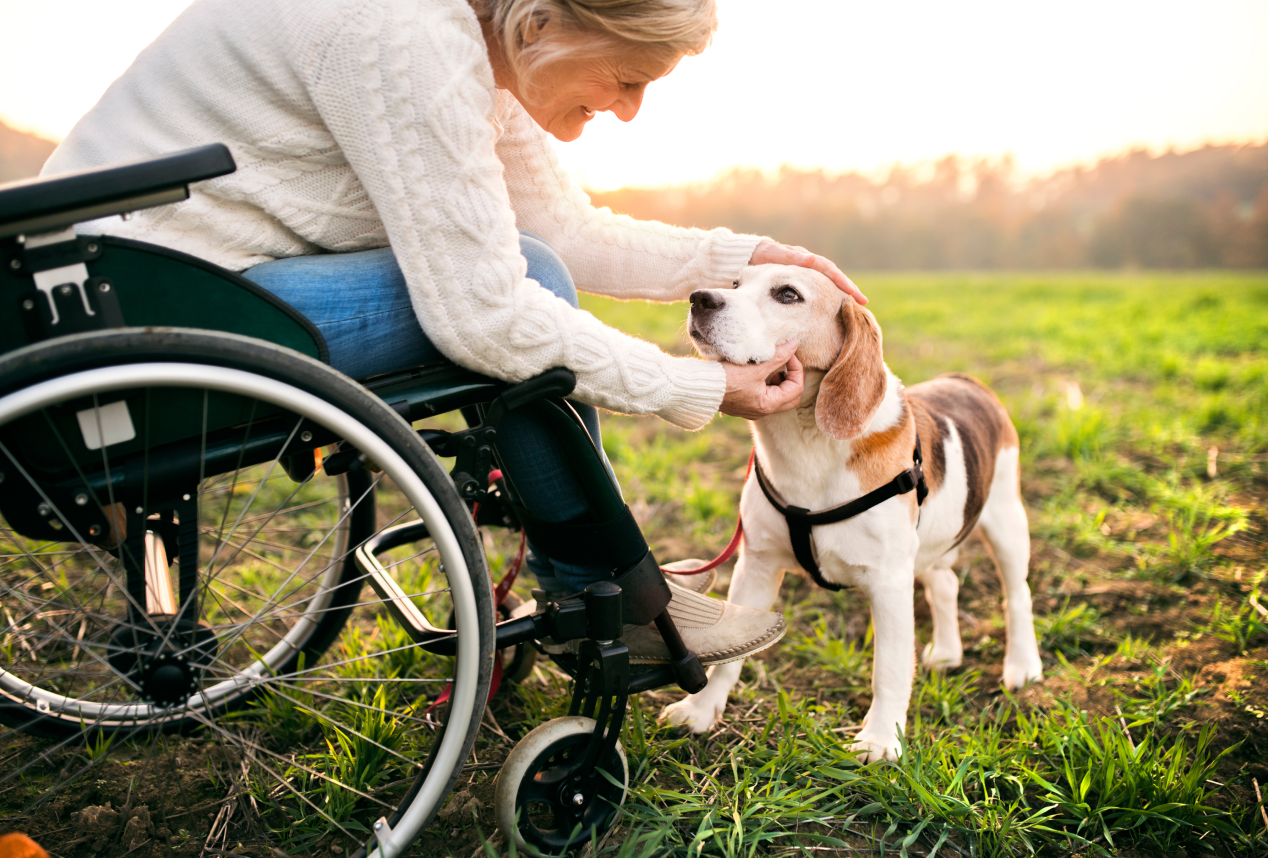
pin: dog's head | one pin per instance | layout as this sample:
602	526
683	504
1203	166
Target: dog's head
772	304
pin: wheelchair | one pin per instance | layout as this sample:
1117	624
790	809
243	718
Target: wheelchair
192	503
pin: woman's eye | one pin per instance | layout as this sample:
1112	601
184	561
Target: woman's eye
787	295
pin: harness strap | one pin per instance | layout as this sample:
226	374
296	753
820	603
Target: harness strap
800	520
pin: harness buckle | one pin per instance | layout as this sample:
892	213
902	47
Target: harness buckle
798	512
906	481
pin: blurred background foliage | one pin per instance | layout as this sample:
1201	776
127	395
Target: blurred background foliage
1199	209
1206	208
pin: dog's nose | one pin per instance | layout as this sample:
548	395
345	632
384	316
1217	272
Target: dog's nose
706	299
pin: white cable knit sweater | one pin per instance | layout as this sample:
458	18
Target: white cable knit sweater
361	123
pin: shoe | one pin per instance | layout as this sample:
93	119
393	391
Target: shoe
701	582
714	630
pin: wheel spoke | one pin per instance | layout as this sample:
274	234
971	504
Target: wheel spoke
275	583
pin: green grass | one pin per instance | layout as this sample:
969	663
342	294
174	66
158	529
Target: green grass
1142	403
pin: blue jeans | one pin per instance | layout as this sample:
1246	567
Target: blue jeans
361	305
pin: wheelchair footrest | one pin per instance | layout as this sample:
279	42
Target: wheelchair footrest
396	600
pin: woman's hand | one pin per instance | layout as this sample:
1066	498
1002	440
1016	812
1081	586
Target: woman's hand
782	254
749	393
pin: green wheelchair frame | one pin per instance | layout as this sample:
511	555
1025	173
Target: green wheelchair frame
132	377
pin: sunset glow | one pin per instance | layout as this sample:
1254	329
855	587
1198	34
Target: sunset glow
818	83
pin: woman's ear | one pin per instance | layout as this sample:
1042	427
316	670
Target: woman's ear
855	384
535	26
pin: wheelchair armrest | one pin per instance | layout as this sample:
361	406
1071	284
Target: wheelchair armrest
33	206
554	383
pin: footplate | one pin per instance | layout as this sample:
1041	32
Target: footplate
396	600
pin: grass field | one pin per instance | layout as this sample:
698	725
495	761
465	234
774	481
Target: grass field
1142	404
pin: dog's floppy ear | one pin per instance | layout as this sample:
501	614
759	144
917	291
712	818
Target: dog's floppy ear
855	384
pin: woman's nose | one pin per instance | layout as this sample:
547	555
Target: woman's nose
627	104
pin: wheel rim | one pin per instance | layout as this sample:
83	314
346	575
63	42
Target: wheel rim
261	669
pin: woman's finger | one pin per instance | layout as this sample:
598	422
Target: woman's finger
787	394
845	284
796	372
783	254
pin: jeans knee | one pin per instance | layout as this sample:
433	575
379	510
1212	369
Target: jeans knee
545	266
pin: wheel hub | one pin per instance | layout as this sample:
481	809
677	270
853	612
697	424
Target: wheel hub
166	658
562	797
169	679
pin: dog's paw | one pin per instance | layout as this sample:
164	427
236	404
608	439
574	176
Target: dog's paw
698	716
873	749
941	658
1020	672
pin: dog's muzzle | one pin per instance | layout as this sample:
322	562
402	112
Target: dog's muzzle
704	303
706	300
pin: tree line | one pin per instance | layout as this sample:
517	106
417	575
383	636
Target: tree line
1203	208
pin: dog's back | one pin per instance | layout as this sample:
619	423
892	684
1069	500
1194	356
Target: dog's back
982	426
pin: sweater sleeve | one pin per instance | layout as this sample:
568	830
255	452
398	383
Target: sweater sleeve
606	253
406	90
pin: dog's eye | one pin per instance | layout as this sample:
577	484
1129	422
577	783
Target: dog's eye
735	284
786	295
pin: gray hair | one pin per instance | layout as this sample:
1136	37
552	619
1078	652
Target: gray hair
532	31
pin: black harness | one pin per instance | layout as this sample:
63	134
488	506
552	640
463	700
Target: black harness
800	520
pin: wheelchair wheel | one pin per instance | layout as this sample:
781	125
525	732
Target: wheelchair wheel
176	558
540	806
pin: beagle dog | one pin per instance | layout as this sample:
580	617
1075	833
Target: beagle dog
856	430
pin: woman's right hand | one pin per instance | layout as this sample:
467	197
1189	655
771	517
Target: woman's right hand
750	395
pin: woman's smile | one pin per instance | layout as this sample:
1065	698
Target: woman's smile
567	92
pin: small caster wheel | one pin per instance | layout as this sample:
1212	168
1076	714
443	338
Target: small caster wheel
538	803
518	660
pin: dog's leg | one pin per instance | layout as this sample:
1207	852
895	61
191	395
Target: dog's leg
942	590
1006	528
755	584
894	663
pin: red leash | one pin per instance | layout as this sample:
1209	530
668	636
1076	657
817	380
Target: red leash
735	540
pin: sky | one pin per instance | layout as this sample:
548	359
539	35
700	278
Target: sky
833	84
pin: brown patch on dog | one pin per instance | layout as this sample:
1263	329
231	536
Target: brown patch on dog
855	385
984	428
879	457
932	437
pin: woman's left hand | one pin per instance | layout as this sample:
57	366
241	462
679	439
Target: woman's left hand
782	254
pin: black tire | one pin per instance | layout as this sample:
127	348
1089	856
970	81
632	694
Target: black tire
173	673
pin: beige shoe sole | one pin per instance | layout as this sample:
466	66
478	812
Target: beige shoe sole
716	631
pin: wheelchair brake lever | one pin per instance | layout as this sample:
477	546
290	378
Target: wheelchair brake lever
473	450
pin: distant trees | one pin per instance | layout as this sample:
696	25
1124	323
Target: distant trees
1204	208
1207	207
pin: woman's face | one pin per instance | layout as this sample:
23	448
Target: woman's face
568	92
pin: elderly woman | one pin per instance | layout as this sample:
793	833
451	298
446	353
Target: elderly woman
396	184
